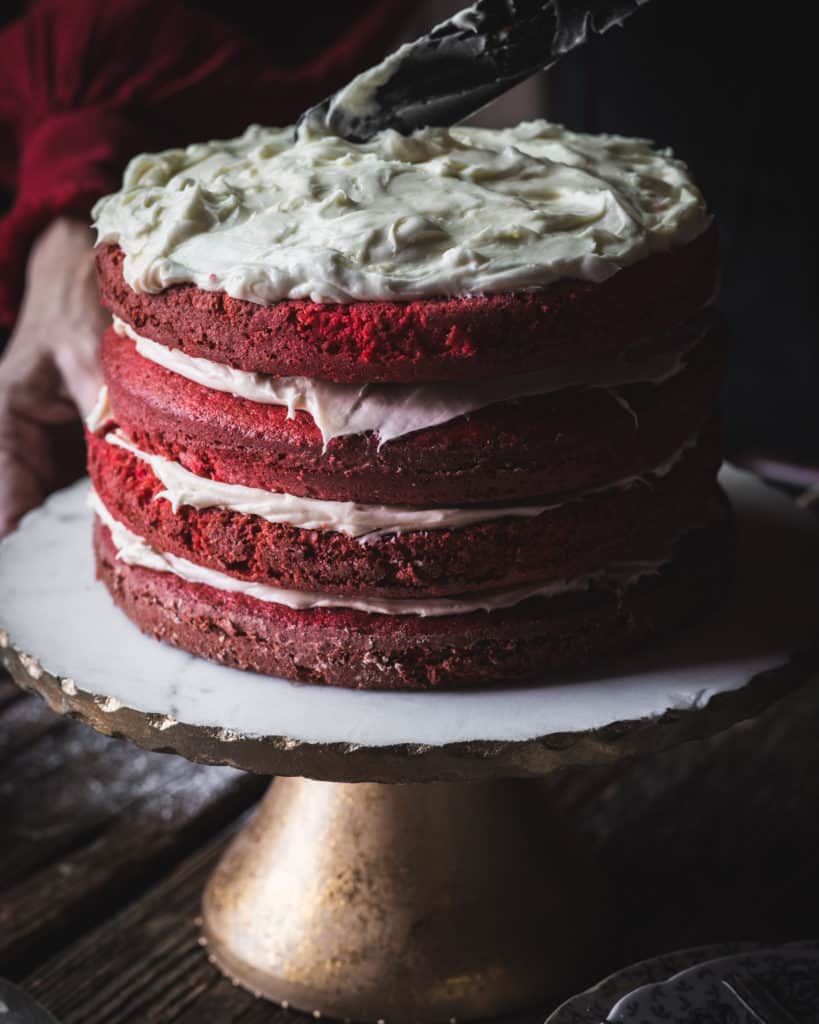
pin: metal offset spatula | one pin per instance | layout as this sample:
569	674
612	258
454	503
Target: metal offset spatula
462	64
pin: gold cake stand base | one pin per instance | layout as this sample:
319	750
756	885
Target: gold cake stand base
459	897
406	902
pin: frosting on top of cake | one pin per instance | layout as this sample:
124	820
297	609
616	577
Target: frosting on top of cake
445	211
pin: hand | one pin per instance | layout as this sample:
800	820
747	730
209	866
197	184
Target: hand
50	373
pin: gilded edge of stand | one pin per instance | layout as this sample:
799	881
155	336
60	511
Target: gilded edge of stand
474	760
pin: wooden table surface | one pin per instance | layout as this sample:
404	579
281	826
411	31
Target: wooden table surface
104	850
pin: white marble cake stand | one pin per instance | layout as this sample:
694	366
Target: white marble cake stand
407	902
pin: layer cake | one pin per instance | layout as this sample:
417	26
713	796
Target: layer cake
435	411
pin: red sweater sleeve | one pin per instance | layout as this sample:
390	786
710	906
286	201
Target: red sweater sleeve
86	84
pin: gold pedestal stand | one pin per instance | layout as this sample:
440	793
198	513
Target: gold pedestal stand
446	890
413	902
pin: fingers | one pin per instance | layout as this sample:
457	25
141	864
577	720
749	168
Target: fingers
41	448
20	490
32	389
81	371
61	318
50	369
24	445
32	408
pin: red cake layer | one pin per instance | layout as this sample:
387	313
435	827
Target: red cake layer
572	440
570	540
438	339
356	649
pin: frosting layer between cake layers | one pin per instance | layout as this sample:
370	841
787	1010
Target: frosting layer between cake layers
180	488
346	647
393	411
505	453
133	550
389	551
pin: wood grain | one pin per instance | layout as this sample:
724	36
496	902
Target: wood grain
87	822
23	722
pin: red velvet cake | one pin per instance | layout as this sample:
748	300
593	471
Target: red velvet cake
436	339
436	411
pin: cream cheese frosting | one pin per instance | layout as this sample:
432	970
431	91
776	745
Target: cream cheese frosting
444	211
181	487
101	414
365	522
134	550
394	410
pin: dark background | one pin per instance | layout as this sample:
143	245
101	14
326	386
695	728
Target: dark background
727	85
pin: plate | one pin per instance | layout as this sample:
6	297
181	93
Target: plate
685	987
